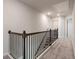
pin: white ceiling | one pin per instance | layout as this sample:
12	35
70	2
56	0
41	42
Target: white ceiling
63	7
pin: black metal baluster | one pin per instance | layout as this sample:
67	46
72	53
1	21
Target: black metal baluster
50	36
24	36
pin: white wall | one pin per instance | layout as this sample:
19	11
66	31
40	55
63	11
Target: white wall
61	27
66	30
73	31
18	17
58	22
68	26
70	29
54	23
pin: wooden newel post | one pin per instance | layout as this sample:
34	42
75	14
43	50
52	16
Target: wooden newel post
50	35
24	36
9	31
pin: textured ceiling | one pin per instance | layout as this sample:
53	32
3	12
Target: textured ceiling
54	6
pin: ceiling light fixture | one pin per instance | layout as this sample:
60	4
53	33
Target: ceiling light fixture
49	13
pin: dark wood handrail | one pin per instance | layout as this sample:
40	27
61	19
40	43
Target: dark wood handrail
26	33
14	33
36	33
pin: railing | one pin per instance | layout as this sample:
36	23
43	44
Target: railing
27	45
16	44
48	39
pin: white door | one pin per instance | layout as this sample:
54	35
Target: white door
69	28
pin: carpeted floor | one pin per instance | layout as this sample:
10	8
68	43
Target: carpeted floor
63	50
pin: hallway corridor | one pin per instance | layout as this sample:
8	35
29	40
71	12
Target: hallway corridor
31	27
61	50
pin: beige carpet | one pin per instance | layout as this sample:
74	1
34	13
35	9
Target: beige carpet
63	50
6	57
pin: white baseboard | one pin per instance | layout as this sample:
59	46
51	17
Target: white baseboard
10	56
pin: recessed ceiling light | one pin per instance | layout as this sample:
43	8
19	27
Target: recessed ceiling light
49	13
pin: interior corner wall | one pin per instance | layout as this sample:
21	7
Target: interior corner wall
17	17
66	30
